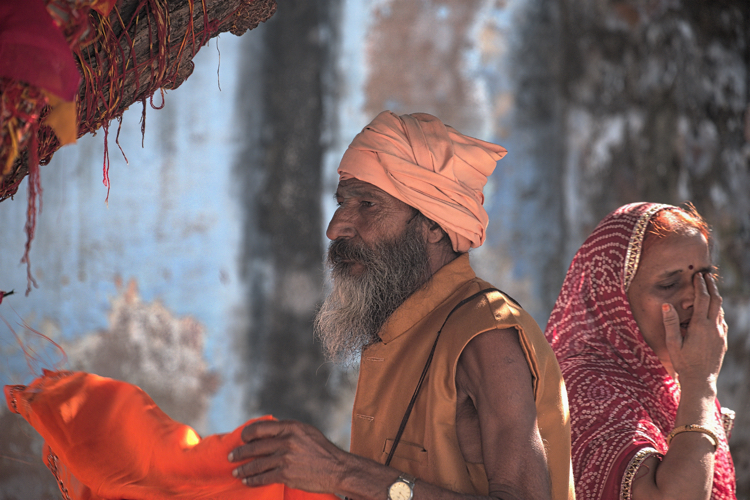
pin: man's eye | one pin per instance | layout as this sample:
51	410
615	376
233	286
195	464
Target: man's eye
367	204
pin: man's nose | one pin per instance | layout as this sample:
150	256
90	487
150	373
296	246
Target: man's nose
341	225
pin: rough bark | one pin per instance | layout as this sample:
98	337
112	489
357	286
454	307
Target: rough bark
657	110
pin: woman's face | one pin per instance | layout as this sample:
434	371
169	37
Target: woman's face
665	275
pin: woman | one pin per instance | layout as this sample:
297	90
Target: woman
639	332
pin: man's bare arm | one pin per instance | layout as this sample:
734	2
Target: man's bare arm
493	374
299	456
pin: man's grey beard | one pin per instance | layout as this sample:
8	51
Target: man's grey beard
357	307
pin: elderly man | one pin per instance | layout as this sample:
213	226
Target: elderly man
459	395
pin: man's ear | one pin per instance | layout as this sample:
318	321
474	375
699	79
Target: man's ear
435	233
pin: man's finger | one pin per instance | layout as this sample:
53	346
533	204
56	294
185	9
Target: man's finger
261	430
672	326
270	477
254	449
254	472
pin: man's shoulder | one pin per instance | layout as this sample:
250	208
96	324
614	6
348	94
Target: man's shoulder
479	306
484	295
489	308
485	285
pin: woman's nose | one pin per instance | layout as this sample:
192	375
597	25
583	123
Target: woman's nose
688	296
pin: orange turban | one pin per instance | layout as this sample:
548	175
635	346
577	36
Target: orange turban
430	166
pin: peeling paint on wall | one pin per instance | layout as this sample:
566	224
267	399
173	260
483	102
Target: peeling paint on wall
22	471
417	61
146	345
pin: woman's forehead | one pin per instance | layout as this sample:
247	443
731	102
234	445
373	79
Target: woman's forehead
677	251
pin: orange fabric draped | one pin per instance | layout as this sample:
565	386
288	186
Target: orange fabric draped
106	439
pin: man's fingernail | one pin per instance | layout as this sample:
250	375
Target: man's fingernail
236	472
230	457
245	482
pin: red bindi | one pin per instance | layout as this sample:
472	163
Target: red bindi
690	267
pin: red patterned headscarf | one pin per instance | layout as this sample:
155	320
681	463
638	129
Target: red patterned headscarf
623	403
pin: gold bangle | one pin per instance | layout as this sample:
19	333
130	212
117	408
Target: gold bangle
694	428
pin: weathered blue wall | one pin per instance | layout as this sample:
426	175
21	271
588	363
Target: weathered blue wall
171	224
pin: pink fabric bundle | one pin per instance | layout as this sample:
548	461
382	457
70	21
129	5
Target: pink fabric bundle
34	50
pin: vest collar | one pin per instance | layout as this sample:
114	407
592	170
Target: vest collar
440	286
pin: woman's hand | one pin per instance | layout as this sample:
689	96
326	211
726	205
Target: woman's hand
687	469
697	358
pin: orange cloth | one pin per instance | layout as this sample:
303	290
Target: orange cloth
429	166
63	118
106	439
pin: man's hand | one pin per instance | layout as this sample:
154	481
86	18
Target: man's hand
288	452
299	456
697	358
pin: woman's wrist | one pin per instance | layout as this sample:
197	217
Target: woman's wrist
698	387
697	404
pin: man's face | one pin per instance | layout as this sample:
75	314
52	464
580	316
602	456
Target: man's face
377	259
367	215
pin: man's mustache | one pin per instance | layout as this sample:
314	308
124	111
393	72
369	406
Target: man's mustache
343	250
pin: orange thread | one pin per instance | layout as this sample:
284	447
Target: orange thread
33	360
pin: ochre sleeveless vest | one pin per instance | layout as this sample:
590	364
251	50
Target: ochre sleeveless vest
390	370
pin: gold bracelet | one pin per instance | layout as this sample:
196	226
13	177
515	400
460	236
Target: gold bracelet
694	428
